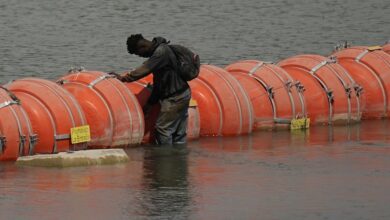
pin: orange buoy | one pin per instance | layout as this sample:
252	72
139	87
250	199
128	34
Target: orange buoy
262	106
370	67
275	96
141	90
224	106
332	94
207	99
386	48
112	111
52	111
16	136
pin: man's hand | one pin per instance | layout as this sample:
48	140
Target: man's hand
116	75
127	77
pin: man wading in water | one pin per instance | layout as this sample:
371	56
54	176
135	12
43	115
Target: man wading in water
169	88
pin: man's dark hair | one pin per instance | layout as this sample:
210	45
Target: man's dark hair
132	42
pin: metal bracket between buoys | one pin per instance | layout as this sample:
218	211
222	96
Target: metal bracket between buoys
369	67
331	97
51	110
285	99
16	128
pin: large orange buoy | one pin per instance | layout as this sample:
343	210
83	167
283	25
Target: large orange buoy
210	108
142	91
224	106
331	93
52	111
275	96
112	111
386	48
16	136
370	67
262	106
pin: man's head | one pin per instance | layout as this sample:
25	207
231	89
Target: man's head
138	45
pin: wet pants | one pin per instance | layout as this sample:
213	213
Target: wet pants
171	124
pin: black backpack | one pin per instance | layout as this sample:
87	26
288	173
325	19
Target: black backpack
188	63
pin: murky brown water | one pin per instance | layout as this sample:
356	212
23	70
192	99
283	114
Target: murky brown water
323	173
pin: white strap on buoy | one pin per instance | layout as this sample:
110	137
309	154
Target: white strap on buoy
101	78
7	103
258	65
323	63
254	69
365	52
361	55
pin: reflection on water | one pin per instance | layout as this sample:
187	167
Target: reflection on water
165	178
322	173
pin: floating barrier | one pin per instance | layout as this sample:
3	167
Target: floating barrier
332	94
142	91
275	96
370	68
16	136
112	111
37	115
52	112
224	107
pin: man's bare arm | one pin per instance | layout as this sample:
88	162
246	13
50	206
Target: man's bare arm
136	74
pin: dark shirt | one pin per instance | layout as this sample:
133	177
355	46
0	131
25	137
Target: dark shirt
166	81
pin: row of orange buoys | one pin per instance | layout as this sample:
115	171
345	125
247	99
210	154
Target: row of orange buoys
275	95
111	110
36	115
333	97
370	68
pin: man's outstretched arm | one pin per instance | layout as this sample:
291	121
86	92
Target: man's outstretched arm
136	74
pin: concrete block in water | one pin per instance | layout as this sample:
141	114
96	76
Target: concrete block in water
76	158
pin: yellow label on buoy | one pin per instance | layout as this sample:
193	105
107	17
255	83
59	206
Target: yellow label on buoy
193	103
300	123
80	134
372	48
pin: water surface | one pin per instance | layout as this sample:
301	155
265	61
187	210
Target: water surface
46	38
323	173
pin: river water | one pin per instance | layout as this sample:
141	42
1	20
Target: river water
324	173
